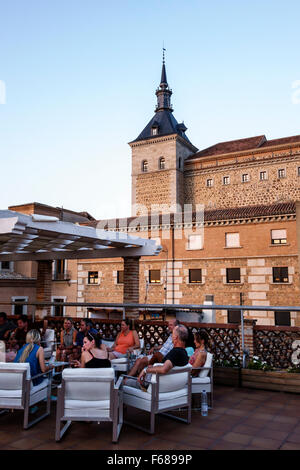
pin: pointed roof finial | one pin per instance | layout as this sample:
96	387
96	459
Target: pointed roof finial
163	79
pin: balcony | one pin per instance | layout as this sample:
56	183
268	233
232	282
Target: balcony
58	276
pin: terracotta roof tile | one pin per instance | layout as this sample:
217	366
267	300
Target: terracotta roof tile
231	146
284	208
241	145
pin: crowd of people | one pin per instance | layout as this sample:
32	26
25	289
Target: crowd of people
84	348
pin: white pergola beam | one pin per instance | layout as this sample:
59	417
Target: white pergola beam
23	238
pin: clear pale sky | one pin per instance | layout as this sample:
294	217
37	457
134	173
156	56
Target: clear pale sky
80	78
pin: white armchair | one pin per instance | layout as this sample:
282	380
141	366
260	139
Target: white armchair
89	395
204	381
18	392
167	392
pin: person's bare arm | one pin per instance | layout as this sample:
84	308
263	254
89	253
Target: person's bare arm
200	360
163	369
137	344
114	345
41	358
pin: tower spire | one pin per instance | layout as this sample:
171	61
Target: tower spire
163	92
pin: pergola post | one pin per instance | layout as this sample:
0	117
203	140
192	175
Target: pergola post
43	287
131	284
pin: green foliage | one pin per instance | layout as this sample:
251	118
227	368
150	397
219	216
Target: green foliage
231	362
295	369
256	364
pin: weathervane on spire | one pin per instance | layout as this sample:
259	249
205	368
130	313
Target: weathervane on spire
163	52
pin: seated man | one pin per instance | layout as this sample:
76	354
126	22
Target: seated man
86	326
67	349
156	354
176	357
18	337
6	326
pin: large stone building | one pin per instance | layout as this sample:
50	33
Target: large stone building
237	240
247	248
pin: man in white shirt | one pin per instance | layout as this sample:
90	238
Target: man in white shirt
157	353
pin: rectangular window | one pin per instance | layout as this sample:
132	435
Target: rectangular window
209	183
58	310
281	173
233	316
263	176
226	180
233	275
232	240
120	277
19	309
154	276
278	237
298	170
245	177
5	266
93	277
195	242
280	274
282	318
59	270
195	276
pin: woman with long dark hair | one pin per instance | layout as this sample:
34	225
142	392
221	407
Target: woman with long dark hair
92	356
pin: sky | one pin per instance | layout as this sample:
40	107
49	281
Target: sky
78	81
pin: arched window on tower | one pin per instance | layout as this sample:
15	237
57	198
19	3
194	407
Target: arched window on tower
144	166
162	163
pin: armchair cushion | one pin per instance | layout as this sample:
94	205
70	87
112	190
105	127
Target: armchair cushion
208	363
85	387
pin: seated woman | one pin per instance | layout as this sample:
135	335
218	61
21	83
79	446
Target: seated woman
126	341
67	345
93	356
33	353
199	357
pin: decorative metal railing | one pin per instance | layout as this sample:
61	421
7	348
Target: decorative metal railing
275	344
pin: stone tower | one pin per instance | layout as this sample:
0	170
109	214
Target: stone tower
158	156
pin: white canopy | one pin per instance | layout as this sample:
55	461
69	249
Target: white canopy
33	237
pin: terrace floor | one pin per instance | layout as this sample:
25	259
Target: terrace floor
241	419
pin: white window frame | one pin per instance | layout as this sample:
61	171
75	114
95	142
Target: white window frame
281	169
60	297
145	166
273	237
209	185
225	177
263	172
189	242
19	297
226	240
11	267
247	178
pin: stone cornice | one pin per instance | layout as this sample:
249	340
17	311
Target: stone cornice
211	223
154	140
163	138
260	150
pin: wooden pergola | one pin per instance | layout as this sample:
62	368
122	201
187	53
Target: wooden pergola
44	239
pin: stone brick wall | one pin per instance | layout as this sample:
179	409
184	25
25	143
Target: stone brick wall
237	193
159	186
255	257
